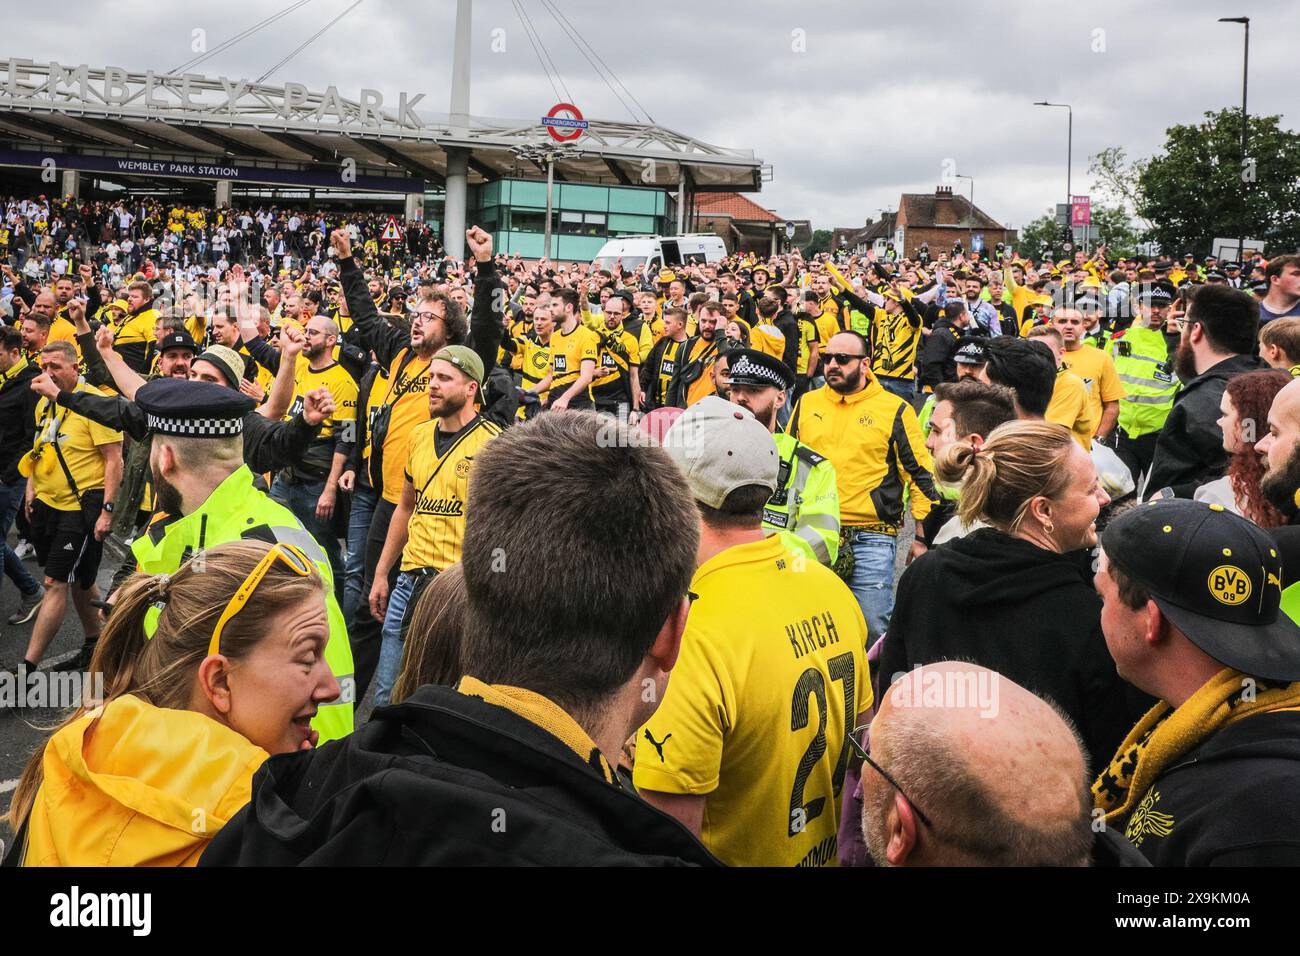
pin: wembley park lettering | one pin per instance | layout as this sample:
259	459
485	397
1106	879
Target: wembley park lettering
118	91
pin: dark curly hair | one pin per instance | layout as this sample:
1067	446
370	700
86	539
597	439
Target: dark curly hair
1252	394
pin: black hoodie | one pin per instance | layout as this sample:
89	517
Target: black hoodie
1230	801
1029	614
446	779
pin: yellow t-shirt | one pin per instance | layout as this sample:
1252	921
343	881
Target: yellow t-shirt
568	352
1070	406
1097	369
80	440
773	642
408	395
343	389
808	333
441	482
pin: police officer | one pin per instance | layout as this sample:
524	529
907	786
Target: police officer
205	496
1145	366
805	508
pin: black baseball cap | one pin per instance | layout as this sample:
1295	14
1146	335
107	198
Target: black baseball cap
177	340
1216	576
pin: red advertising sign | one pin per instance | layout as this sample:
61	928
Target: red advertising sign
1080	211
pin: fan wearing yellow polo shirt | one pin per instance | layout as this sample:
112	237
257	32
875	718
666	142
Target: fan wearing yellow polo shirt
772	642
1095	367
428	527
133	329
574	352
1070	405
74	467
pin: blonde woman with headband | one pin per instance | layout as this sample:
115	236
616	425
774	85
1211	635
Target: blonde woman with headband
234	672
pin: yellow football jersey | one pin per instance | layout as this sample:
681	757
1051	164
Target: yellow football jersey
772	675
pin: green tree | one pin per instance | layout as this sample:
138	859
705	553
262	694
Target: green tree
1199	187
1042	237
1112	227
821	242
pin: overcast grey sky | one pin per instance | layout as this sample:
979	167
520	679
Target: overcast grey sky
852	103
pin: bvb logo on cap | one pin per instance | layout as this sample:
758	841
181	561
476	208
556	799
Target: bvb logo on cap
1229	585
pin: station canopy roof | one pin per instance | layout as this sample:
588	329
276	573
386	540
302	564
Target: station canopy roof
114	112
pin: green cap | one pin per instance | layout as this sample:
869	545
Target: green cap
464	358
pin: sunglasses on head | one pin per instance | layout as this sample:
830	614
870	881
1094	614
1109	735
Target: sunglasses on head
290	555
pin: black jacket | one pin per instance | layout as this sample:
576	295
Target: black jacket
268	445
937	363
17	421
1230	801
1189	451
445	779
1028	614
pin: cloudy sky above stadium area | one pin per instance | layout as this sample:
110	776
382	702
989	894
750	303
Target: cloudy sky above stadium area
852	103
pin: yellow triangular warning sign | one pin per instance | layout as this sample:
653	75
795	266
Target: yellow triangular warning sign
392	231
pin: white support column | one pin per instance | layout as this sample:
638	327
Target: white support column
773	246
414	207
453	221
71	184
681	200
223	192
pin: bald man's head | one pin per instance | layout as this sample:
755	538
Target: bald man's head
998	772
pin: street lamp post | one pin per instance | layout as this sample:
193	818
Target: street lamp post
1245	125
547	155
971	230
1069	152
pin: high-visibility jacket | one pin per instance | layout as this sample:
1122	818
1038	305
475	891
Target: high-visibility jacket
236	511
805	508
1145	368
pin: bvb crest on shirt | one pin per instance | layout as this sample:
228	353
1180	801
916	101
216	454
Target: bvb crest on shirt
463	466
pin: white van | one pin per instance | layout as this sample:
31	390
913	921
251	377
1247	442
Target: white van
646	255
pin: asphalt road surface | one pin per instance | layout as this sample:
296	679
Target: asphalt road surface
22	733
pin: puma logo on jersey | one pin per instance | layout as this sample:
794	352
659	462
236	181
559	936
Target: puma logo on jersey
657	744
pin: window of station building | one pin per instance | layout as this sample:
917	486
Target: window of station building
582	223
527	220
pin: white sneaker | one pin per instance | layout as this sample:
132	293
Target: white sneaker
24	549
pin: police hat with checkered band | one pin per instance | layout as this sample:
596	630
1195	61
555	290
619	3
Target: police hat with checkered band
1216	576
754	368
174	406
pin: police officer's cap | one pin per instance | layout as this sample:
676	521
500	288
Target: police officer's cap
192	409
1216	576
1155	295
755	368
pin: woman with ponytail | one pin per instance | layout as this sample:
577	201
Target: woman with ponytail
206	672
1016	596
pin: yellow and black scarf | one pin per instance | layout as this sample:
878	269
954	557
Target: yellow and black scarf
1164	734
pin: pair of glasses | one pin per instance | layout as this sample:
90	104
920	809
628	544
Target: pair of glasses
853	737
292	556
842	358
428	316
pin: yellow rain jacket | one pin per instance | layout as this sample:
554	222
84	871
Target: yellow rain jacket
131	784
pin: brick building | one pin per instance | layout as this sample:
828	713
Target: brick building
744	225
941	218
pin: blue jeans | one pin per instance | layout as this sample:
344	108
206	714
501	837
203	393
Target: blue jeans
301	498
354	565
11	499
904	388
873	579
390	648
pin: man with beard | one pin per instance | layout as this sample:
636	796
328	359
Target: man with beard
960	783
875	443
309	487
1217	343
693	378
1280	447
206	497
428	526
397	403
805	508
